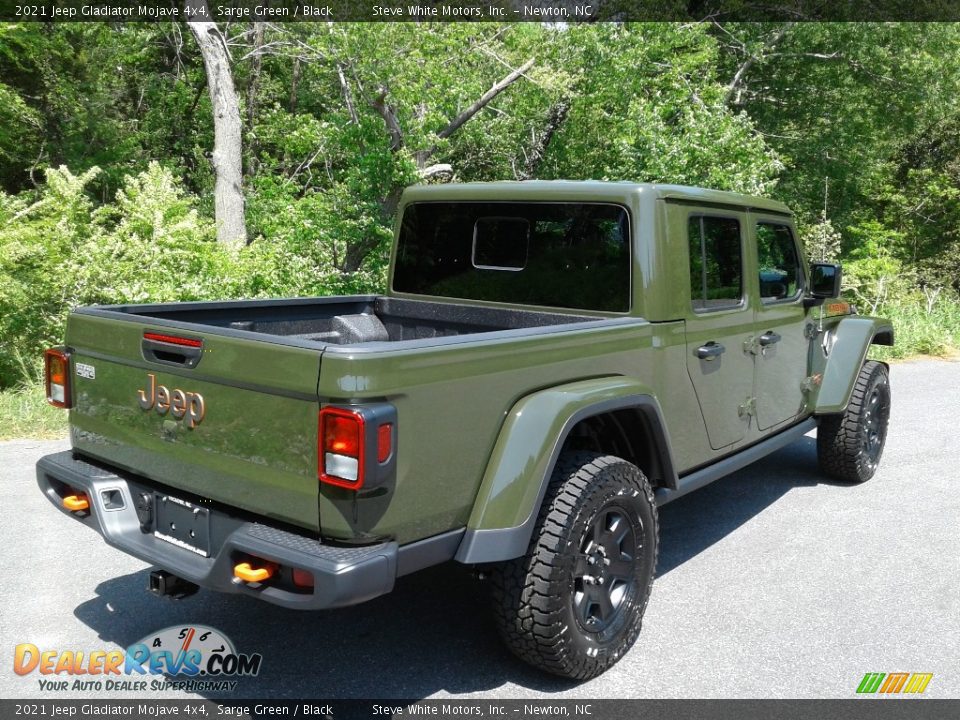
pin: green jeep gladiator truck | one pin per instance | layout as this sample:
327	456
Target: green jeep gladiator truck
552	361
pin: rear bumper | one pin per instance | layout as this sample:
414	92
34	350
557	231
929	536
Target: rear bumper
342	575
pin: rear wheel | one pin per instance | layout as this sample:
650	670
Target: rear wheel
573	604
850	445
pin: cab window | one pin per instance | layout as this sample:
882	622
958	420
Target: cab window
551	254
716	262
779	263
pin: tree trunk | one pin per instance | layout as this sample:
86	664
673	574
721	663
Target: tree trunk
538	150
294	85
735	88
227	158
253	87
357	252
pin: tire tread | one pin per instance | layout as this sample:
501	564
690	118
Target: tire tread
530	620
839	449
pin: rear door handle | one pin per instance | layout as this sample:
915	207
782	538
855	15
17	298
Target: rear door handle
769	338
710	351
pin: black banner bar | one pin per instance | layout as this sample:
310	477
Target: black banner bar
565	11
853	709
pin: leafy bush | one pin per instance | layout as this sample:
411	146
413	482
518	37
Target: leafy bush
921	327
58	251
821	241
25	413
39	238
872	274
150	244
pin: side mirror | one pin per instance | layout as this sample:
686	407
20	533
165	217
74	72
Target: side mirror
824	282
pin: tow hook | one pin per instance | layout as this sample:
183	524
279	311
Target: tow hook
166	584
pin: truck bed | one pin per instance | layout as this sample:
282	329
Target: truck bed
347	321
263	368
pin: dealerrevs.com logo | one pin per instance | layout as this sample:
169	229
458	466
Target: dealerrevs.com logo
194	658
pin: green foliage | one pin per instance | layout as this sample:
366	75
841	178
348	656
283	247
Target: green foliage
854	125
648	106
25	413
641	103
148	245
874	275
821	241
924	323
836	100
19	128
58	250
39	237
916	197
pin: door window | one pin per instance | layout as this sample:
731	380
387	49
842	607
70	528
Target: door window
716	262
779	263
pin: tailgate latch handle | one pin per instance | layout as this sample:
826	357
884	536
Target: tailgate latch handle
177	350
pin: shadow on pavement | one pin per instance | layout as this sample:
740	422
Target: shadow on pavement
693	523
433	633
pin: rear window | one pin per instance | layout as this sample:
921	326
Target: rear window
567	255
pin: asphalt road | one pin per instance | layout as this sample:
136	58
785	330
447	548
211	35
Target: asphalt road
772	583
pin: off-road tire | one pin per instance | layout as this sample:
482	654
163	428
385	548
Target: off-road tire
849	445
548	604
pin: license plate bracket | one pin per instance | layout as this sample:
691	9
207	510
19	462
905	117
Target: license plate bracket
182	523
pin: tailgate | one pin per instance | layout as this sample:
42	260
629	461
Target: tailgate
234	421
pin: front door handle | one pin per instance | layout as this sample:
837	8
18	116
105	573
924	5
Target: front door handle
710	351
769	338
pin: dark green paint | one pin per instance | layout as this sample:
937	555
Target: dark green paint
478	419
526	444
848	341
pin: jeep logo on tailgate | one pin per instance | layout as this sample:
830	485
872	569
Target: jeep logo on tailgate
178	403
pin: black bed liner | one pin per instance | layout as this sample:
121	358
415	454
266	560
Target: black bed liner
352	320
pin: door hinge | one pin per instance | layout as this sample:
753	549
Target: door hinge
748	408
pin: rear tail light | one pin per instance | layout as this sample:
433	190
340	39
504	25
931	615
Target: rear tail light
56	365
356	445
341	447
384	442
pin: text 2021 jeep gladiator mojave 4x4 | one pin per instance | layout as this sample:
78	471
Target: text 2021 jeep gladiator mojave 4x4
552	361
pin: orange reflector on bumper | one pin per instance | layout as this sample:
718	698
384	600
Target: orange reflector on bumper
75	503
246	572
302	578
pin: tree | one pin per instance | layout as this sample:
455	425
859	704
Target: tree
227	158
375	112
836	100
646	103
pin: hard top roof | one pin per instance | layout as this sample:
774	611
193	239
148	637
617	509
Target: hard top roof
584	190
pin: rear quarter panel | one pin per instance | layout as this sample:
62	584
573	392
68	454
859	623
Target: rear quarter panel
452	401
